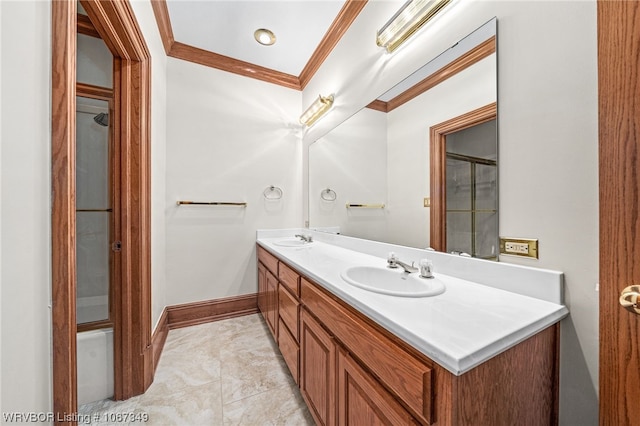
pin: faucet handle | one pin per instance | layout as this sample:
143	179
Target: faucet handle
426	268
391	260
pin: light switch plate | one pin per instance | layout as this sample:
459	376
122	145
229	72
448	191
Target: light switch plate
525	247
427	201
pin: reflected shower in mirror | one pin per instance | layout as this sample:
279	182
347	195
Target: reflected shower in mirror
471	191
382	155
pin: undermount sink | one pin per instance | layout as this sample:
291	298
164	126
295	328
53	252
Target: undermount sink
292	242
394	282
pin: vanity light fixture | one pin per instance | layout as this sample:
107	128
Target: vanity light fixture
317	109
264	36
411	16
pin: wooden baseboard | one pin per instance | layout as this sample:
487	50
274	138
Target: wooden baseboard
159	337
195	313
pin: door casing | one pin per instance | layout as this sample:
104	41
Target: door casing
133	360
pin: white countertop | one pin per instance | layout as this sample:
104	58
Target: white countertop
458	329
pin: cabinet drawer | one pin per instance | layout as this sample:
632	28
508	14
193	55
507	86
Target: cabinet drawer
289	310
289	349
268	260
403	374
290	278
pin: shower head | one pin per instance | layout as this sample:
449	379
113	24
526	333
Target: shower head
102	119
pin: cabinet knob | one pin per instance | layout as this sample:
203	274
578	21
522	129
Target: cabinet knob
629	298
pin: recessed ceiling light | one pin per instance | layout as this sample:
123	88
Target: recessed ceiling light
264	36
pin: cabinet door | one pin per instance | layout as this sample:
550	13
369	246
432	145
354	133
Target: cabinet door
262	290
272	303
317	369
362	400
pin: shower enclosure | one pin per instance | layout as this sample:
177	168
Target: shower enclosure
93	213
94	234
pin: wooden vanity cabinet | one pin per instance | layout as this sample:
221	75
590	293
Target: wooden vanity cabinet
352	371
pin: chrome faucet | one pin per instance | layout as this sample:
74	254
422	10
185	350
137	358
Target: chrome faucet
394	262
307	238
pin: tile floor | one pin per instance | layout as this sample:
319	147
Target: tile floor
227	372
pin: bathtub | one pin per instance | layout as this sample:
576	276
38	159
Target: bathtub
95	365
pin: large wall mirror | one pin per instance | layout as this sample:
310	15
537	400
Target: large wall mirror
419	165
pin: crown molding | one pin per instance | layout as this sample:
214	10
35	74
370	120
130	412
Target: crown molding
175	49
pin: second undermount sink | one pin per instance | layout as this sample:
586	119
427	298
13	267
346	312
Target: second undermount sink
292	242
394	282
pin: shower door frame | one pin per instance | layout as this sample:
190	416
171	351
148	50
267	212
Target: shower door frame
133	355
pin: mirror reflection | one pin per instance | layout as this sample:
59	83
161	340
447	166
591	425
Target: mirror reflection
418	166
471	191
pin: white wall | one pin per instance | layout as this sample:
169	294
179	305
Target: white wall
548	153
228	139
25	213
146	20
547	103
350	160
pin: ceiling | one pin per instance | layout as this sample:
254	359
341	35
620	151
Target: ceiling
220	34
227	27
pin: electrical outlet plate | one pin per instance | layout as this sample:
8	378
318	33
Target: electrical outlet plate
427	201
519	247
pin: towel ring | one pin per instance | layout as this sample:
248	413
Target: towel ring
272	193
328	195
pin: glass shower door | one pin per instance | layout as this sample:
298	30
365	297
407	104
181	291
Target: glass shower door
93	213
472	211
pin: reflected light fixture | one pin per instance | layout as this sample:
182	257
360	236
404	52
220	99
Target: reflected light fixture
264	36
411	16
317	109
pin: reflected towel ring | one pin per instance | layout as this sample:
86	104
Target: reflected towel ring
328	195
272	193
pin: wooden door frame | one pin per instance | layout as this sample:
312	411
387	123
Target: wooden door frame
438	167
619	200
133	360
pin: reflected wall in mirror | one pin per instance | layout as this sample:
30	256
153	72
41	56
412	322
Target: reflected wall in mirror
380	158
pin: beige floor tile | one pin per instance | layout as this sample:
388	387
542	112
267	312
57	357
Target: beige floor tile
224	372
107	412
196	405
280	406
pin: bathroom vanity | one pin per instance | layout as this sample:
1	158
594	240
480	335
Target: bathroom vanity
474	354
